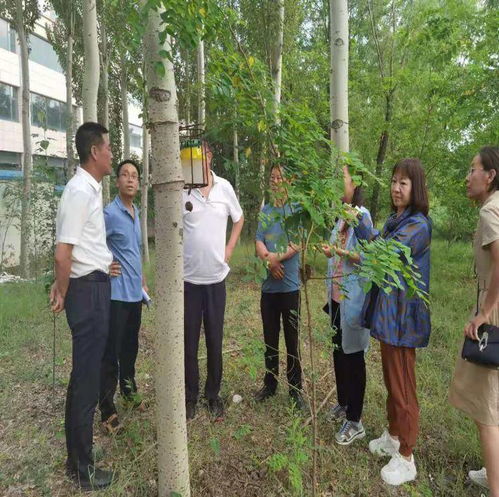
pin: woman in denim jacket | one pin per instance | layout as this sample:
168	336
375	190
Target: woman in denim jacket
351	340
401	323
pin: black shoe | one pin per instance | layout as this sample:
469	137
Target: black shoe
264	393
297	399
190	409
216	408
90	477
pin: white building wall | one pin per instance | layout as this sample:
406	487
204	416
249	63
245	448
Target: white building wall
49	83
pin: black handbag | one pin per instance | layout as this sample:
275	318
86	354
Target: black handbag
485	351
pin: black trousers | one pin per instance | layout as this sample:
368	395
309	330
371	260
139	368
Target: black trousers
274	306
120	355
87	310
349	370
206	304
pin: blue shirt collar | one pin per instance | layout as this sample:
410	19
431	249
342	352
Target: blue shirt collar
122	207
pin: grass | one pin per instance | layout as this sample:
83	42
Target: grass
259	450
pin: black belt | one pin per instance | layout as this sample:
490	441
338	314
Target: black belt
94	276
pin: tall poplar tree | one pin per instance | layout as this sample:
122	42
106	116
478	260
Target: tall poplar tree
167	180
91	69
339	73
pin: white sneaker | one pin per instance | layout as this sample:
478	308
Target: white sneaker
399	470
384	445
479	477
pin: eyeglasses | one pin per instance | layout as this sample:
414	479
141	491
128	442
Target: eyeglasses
134	177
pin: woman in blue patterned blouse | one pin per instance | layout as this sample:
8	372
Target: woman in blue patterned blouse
401	323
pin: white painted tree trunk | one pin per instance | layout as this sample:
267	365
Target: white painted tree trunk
167	180
91	61
201	84
144	198
235	155
339	73
69	105
103	112
276	63
124	111
27	152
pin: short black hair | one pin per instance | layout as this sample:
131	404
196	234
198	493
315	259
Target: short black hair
413	169
489	157
127	161
89	134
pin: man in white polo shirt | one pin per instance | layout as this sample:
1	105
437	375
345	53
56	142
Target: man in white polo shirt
82	287
206	257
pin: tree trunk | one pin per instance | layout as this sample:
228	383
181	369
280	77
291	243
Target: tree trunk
201	83
103	107
68	173
380	158
91	61
187	101
27	153
235	150
339	74
124	110
173	464
144	198
187	110
276	63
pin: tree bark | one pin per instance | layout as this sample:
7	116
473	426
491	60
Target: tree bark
201	83
339	74
124	111
173	465
276	63
91	61
187	96
27	152
144	198
380	157
69	104
103	97
235	151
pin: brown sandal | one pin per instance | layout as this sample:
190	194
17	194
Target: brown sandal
112	425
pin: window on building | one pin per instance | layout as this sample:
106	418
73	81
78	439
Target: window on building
42	52
10	160
8	102
135	136
48	113
7	36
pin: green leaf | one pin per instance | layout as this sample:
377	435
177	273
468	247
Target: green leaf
215	446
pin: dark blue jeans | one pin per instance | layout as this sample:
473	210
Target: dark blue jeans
87	311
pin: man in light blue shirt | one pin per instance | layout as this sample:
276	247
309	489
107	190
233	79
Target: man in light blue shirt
123	236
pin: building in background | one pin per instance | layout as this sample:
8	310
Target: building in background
48	119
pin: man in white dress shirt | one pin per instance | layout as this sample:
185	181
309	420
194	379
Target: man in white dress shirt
82	287
206	257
